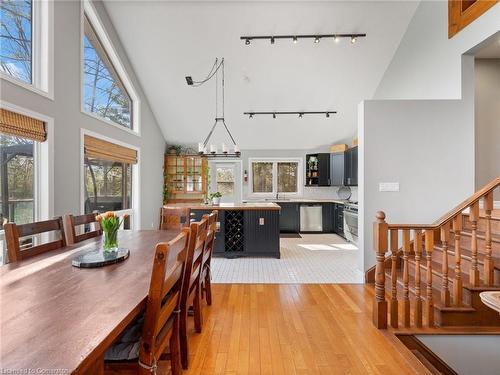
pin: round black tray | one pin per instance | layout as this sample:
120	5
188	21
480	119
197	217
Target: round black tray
100	258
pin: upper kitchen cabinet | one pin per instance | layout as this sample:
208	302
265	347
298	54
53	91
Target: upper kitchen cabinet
318	169
337	166
351	167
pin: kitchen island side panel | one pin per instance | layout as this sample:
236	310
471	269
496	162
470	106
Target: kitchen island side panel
262	233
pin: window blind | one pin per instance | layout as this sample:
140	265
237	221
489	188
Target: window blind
22	126
104	150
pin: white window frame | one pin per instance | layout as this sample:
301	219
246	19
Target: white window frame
43	162
42	58
275	161
88	9
135	210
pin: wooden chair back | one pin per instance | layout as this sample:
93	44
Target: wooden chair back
210	238
174	218
14	232
161	319
72	222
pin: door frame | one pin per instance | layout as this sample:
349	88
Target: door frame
214	162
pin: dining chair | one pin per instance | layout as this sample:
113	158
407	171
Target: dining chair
72	222
144	344
41	230
206	285
191	294
174	217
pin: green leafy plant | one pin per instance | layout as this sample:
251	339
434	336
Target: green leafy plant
177	149
215	195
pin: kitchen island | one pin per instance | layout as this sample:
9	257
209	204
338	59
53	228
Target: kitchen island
245	229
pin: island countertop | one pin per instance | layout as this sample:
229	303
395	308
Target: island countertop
248	206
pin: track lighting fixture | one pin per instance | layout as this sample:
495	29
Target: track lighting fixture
295	38
299	114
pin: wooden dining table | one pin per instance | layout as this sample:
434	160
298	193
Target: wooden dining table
59	318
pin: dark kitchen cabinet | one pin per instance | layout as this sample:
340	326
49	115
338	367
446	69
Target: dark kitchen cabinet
261	230
318	169
328	218
324	169
337	161
338	217
351	167
220	244
289	217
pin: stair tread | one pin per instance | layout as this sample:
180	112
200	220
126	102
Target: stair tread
467	255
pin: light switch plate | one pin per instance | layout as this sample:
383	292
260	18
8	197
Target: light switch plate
388	186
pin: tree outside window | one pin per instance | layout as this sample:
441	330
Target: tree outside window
16	39
262	177
104	92
275	177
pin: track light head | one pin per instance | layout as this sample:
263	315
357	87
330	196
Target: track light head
247	42
295	40
336	39
301	115
250	115
274	115
272	40
316	40
353	39
327	114
189	80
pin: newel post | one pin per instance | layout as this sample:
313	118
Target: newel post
380	244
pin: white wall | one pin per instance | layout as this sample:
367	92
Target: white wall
425	145
68	119
466	354
487	118
427	65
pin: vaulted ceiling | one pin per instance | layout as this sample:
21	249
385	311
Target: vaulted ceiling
167	41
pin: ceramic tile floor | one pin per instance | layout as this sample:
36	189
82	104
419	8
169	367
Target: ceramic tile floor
314	258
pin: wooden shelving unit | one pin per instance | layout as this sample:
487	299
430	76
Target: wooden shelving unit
185	178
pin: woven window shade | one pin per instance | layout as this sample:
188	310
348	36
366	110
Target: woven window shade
22	126
104	150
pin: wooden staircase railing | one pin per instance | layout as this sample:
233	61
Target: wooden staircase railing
417	238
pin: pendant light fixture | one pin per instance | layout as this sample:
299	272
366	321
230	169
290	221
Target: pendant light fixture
205	148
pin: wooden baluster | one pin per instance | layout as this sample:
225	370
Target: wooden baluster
488	260
406	278
417	249
474	267
394	278
445	290
429	247
380	242
457	283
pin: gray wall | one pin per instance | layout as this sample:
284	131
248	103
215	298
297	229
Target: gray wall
425	145
487	118
466	354
68	119
427	65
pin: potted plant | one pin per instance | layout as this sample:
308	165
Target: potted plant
215	198
110	223
174	149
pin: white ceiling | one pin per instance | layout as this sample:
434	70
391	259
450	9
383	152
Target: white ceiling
167	41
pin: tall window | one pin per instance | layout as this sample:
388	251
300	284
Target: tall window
16	56
225	180
275	176
21	138
104	93
108	172
108	185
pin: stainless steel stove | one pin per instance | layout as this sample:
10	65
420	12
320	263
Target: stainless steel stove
351	221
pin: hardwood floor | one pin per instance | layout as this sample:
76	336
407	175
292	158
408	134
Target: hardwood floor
295	329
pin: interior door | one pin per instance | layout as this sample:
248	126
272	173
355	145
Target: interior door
225	177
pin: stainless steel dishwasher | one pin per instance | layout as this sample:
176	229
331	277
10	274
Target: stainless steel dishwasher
311	218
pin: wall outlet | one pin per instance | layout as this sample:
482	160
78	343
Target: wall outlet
388	186
261	221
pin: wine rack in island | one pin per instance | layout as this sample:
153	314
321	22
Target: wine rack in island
234	232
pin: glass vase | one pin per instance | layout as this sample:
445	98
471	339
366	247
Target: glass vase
110	241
